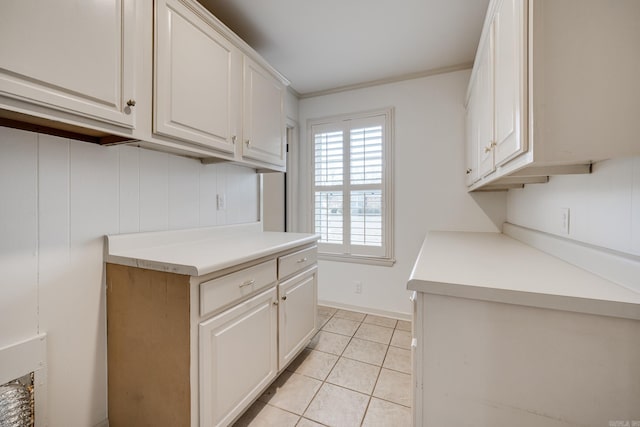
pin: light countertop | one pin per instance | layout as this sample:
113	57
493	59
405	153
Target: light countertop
196	252
496	267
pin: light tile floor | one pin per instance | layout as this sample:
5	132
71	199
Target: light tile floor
355	372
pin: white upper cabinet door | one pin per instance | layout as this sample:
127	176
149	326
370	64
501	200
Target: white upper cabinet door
484	114
471	128
264	123
509	48
197	78
71	56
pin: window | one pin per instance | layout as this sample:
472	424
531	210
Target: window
352	201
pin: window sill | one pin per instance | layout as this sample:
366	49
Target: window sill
386	262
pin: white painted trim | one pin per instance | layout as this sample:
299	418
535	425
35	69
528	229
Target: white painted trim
23	358
617	267
366	310
380	82
386	262
261	201
292	175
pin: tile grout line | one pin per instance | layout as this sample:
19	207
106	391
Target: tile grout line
340	356
323	381
369	395
375	384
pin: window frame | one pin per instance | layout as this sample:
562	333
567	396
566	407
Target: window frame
342	121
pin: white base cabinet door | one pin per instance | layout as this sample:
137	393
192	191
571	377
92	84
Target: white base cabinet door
238	358
297	314
71	56
197	78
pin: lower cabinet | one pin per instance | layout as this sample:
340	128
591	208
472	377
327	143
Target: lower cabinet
296	314
189	351
238	357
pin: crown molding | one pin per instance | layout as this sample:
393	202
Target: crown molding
400	78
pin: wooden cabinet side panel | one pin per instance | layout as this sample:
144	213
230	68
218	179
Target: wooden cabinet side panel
148	347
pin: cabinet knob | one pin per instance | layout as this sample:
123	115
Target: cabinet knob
490	147
275	303
131	103
233	139
248	142
469	171
284	298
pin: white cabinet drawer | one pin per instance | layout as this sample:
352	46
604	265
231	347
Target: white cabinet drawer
224	290
297	261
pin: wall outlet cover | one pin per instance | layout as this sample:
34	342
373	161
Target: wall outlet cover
565	220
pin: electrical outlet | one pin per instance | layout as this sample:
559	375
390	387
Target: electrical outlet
358	287
221	202
565	217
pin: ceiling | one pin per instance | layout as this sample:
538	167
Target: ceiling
329	44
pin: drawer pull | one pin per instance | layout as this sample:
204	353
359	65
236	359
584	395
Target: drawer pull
248	283
301	260
284	297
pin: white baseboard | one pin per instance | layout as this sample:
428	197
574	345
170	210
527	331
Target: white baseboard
367	310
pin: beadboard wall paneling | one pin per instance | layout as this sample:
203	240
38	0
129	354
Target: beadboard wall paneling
58	198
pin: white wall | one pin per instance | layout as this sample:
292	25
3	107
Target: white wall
430	193
58	198
604	206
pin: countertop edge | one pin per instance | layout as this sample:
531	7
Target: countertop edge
529	299
164	264
430	278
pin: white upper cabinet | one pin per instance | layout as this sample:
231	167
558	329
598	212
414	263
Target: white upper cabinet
263	119
508	72
565	89
480	116
495	98
197	74
162	74
69	56
484	111
471	152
